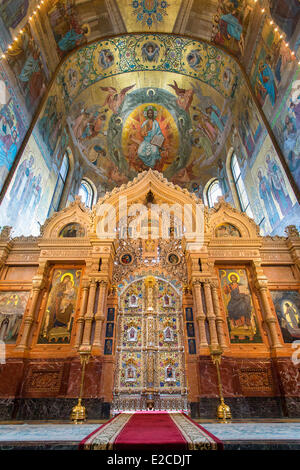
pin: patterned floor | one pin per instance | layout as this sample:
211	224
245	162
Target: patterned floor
234	435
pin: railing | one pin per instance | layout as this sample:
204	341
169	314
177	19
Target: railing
126	402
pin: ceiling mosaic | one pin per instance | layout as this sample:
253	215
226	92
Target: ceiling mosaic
125	115
145	52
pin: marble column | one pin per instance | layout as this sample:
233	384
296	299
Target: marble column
29	319
86	339
210	314
80	319
270	319
219	318
100	317
200	313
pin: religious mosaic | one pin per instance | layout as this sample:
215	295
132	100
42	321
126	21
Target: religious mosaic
12	132
271	68
273	188
28	197
27	66
132	331
169	370
50	124
12	308
12	12
287	307
72	230
231	23
227	230
241	318
149	11
286	126
168	331
60	309
130	376
67	26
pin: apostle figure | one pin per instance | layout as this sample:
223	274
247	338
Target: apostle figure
266	195
239	305
293	314
73	37
149	149
278	185
266	81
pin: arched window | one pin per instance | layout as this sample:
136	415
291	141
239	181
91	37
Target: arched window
60	183
213	192
240	186
87	193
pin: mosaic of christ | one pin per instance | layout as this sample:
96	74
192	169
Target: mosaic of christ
150	138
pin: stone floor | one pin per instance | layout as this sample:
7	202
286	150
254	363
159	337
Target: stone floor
54	435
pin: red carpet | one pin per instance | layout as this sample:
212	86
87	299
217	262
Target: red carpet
146	431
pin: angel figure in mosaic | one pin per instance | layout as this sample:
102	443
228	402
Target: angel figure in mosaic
114	100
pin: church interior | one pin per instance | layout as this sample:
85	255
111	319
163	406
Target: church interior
149	222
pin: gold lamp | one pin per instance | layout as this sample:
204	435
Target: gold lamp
78	414
223	410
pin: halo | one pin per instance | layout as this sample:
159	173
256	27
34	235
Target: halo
234	274
67	274
86	25
260	169
150	92
153	109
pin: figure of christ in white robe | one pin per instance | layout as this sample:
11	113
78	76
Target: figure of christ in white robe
148	152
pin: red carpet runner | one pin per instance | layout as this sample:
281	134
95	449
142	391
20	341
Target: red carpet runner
146	431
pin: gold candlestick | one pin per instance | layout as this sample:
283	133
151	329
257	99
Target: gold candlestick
223	410
78	414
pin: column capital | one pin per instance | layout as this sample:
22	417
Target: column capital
38	284
214	283
261	284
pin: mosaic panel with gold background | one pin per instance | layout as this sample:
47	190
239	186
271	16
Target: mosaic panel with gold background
168	331
133	298
238	305
130	375
169	366
132	334
58	318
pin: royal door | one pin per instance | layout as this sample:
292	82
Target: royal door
150	366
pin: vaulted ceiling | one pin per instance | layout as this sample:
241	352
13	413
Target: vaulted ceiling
201	80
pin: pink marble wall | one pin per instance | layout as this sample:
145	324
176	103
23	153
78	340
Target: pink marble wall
289	377
11	375
233	385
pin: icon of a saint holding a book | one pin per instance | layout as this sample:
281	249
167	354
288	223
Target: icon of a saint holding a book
153	139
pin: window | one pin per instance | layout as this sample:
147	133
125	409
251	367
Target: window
240	186
87	193
213	192
60	183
